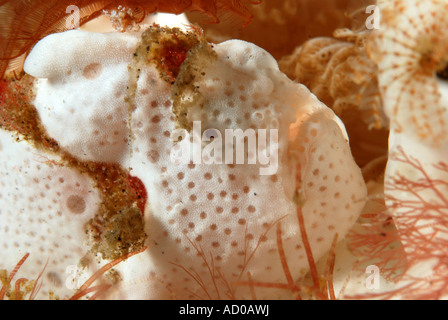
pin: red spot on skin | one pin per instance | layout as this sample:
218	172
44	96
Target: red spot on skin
172	56
137	186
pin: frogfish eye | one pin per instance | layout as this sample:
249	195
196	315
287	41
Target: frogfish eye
443	74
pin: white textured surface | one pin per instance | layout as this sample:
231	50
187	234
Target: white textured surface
226	212
43	210
82	88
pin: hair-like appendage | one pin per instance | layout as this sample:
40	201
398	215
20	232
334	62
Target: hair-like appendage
24	23
376	241
415	218
419	203
100	289
22	287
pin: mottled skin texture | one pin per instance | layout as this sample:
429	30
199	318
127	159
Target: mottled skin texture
209	226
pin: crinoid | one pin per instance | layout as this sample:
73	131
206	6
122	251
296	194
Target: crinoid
339	72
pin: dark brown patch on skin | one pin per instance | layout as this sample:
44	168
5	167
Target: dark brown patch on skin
180	57
119	234
191	71
18	115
